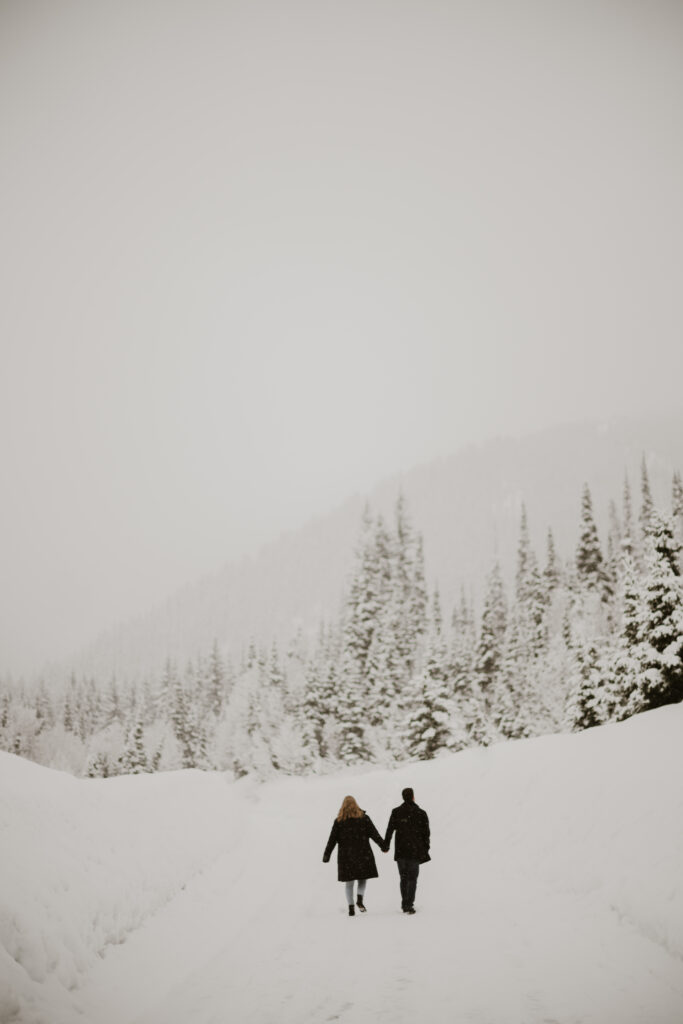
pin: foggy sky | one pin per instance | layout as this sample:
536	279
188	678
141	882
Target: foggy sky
256	256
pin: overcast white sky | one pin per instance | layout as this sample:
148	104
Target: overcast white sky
257	255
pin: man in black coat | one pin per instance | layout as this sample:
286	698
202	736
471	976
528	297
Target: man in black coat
411	825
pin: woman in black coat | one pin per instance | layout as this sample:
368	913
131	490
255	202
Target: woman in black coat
351	832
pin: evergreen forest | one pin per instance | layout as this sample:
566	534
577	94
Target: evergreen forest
576	640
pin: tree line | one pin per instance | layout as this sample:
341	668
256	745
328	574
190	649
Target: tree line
572	643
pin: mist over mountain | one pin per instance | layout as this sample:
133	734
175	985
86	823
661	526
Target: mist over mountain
468	508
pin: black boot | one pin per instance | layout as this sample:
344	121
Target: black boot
361	906
352	910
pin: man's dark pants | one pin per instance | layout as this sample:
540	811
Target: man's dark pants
408	870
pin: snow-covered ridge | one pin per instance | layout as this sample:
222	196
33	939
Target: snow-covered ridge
555	875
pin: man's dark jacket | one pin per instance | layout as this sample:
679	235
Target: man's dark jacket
354	857
411	825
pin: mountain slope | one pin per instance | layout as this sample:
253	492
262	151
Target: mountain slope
467	506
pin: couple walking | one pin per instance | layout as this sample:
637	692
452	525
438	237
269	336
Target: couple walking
351	833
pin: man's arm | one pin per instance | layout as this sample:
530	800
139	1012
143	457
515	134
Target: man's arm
391	828
425	829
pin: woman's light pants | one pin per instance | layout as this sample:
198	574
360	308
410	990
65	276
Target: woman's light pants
349	890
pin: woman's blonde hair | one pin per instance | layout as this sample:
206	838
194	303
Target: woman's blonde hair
349	809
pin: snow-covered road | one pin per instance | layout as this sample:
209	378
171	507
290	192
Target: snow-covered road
554	895
257	943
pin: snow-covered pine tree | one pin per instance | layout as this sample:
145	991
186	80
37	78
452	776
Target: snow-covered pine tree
507	691
134	759
355	745
504	683
101	767
319	718
551	572
19	726
549	683
523	556
5	706
400	617
408	586
492	635
385	618
254	741
586	703
464	625
403	633
418	596
130	703
383	554
469	699
44	708
623	666
215	681
249	656
384	676
646	503
294	666
148	704
180	720
677	494
429	726
364	601
677	508
567	627
524	695
195	741
627	535
589	562
472	708
273	691
614	533
437	616
68	718
462	615
72	705
534	609
404	622
659	651
518	700
528	611
381	676
240	722
166	691
211	682
614	549
91	708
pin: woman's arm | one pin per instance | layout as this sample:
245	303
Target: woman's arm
331	842
374	834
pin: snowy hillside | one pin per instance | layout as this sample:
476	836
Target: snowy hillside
467	506
554	894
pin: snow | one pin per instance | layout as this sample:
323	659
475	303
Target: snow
555	892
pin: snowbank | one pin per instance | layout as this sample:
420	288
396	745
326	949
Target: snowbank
555	892
597	812
85	862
